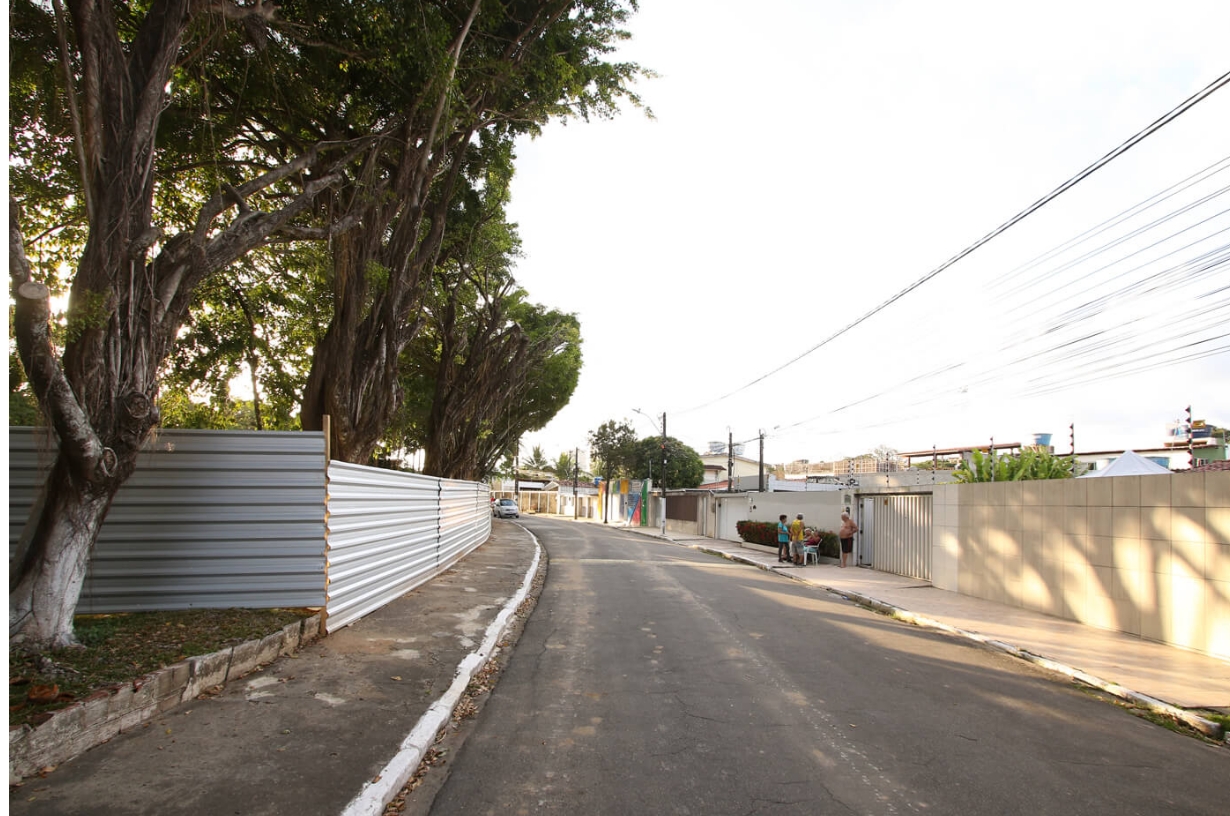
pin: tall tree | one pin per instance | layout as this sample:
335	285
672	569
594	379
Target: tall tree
265	117
135	276
684	468
613	445
508	69
563	467
537	460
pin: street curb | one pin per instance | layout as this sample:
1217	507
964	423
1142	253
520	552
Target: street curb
1209	728
378	792
105	714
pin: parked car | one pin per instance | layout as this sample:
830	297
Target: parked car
505	508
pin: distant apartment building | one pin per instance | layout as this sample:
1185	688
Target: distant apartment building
802	469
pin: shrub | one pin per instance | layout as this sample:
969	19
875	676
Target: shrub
765	532
757	532
830	544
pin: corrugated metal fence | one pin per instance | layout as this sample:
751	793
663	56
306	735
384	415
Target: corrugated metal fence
245	519
208	519
391	531
902	532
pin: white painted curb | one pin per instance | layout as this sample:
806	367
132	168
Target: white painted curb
379	792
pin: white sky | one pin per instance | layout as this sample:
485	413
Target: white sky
811	159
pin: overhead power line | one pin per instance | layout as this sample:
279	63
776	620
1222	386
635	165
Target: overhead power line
1152	128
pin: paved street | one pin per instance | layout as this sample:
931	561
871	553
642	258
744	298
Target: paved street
656	679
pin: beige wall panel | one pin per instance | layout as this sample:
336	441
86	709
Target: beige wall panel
1217	489
1217	607
1217	525
1125	521
1187	621
1155	491
1187	490
1101	492
1125	491
1187	524
1128	554
1155	523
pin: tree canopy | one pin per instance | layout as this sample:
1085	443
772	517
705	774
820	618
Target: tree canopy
684	468
613	449
161	152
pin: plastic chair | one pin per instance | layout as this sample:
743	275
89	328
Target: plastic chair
811	552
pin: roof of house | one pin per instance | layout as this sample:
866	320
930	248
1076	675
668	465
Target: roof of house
1213	466
1129	463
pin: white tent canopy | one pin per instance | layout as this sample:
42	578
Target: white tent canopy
1129	464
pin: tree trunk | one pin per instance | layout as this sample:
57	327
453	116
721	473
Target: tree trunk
125	309
50	577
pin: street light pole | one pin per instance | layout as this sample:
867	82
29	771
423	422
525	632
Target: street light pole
664	474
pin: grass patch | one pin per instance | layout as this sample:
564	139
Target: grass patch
117	649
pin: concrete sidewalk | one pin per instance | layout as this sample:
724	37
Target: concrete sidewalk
1162	677
337	728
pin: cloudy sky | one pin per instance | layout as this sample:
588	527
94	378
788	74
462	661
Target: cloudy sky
809	162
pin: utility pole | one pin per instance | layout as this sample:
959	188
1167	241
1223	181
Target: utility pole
991	457
1191	452
730	461
576	475
663	473
761	460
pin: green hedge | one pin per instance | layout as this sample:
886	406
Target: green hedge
765	532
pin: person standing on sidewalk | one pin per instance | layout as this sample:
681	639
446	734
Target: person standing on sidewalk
796	540
846	534
783	538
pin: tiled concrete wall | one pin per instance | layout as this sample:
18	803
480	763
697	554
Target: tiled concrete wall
1147	555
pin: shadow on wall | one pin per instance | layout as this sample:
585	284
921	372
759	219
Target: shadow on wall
1145	555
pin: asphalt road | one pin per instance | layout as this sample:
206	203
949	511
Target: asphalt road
653	679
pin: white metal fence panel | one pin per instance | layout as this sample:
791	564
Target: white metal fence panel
901	541
209	519
389	532
465	518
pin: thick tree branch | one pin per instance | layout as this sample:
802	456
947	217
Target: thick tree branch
32	329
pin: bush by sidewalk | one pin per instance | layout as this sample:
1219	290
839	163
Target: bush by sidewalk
765	533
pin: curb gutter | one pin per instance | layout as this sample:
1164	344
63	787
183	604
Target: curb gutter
374	795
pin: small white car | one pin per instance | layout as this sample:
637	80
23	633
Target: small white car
505	508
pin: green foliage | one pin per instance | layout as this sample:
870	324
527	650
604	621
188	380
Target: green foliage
87	311
537	460
117	649
830	544
613	446
23	409
259	315
563	467
765	533
178	409
757	532
684	468
1030	465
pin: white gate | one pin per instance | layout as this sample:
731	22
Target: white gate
864	541
896	534
730	511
